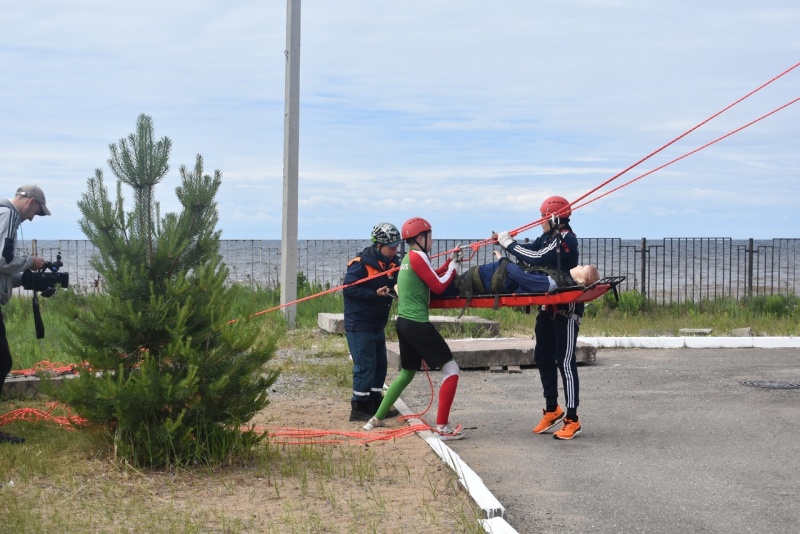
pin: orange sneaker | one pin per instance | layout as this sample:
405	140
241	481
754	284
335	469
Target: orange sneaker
570	429
549	420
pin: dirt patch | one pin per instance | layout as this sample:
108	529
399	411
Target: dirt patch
387	486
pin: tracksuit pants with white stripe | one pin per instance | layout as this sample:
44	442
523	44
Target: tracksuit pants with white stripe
556	340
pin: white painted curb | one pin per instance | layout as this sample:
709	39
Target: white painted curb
691	342
497	525
473	484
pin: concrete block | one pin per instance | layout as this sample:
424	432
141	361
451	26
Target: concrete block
483	353
644	342
742	332
331	322
467	323
695	331
334	324
28	386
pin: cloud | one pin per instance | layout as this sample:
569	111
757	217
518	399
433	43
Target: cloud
463	114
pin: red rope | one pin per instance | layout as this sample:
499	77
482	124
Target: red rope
286	436
47	367
312	436
574	204
68	420
690	130
35	415
698	149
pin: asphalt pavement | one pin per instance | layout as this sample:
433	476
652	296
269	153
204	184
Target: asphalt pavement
672	441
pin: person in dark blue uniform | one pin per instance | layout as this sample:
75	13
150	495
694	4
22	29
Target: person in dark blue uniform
366	312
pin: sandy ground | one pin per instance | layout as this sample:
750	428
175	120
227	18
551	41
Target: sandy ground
397	485
409	489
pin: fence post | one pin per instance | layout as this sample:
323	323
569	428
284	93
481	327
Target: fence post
644	267
750	267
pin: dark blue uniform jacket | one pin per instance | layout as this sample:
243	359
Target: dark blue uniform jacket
364	310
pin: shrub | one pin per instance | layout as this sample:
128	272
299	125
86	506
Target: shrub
172	380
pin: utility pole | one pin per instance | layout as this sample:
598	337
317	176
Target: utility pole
291	145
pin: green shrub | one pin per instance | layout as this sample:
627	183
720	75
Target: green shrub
630	302
172	379
776	305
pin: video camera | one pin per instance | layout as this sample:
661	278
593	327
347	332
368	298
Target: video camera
46	279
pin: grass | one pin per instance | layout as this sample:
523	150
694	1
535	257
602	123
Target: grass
69	481
66	483
773	315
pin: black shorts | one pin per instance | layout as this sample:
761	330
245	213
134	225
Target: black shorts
421	341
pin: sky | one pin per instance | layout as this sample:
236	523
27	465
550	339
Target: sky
466	113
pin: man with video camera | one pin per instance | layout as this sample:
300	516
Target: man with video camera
28	202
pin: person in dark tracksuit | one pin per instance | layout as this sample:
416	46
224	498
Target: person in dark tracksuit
557	326
366	312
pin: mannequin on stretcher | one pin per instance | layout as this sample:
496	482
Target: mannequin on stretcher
504	277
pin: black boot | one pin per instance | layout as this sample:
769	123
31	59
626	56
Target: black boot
8	438
361	410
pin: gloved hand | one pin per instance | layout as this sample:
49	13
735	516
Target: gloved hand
504	239
458	254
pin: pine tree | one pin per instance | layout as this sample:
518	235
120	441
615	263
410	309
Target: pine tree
172	380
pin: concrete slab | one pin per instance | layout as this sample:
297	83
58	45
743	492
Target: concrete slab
695	331
742	332
469	324
28	386
483	353
334	324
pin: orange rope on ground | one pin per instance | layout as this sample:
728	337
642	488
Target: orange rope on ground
301	436
68	421
312	436
285	436
47	367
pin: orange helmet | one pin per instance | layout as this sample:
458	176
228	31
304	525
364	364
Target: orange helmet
414	226
558	206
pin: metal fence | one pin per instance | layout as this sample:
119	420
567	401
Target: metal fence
664	270
696	269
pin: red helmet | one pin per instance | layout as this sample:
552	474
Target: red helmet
558	206
414	226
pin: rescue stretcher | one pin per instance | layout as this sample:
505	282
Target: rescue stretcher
562	295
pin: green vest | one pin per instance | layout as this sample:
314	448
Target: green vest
414	295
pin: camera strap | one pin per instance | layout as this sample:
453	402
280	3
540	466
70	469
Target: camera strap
37	317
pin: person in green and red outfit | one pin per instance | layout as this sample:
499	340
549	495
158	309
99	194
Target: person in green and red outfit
418	339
